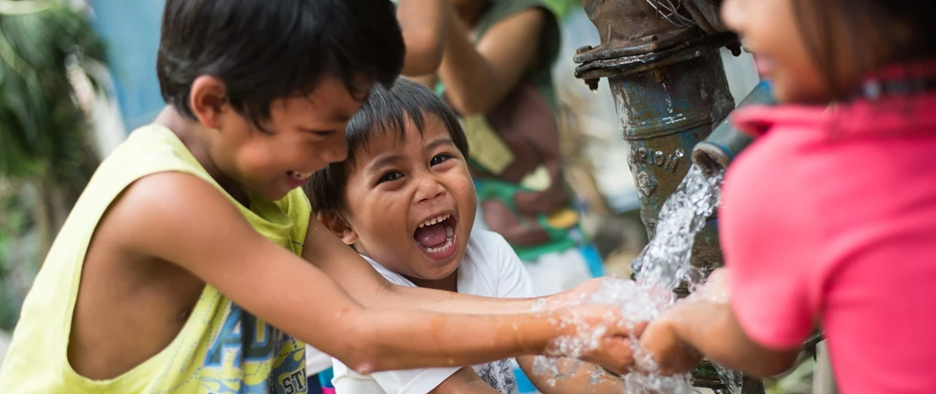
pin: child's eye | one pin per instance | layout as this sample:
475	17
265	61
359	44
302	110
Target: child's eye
390	176
439	159
320	134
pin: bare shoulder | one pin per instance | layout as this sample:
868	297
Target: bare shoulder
132	303
162	212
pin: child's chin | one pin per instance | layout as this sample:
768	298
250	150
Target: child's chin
445	266
436	274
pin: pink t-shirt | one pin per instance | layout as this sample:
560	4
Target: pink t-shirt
829	219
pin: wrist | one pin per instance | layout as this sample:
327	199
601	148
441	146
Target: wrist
563	300
550	330
539	332
530	333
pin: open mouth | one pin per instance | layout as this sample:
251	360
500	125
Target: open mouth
299	176
436	236
297	179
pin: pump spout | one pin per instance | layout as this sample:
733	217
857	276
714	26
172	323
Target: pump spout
718	150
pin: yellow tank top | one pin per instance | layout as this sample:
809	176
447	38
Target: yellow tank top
221	348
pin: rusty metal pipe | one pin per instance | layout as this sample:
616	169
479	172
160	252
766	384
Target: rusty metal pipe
717	151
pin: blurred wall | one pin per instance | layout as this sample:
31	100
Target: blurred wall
131	30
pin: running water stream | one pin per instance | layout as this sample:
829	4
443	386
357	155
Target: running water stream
660	268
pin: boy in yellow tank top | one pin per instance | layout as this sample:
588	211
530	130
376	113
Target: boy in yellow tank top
190	264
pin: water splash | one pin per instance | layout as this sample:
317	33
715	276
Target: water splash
665	260
642	303
660	267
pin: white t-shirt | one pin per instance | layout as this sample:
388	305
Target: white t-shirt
490	268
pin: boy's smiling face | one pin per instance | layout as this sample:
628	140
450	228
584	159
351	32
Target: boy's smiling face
304	135
411	201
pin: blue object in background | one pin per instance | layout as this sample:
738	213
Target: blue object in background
592	260
131	31
524	385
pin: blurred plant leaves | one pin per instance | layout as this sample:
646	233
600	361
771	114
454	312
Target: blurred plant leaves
42	128
45	155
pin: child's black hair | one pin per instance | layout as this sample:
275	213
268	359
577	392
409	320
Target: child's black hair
386	111
265	50
878	33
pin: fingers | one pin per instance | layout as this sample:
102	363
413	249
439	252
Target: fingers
614	354
622	326
662	352
639	328
684	361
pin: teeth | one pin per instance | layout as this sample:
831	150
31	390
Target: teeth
448	244
449	241
439	219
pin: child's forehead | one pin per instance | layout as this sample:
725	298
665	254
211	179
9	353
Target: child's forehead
331	98
394	141
391	139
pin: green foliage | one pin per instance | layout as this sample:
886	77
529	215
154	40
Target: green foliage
43	134
42	128
13	224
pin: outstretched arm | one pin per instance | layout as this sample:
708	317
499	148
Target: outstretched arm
368	287
478	77
587	378
705	324
181	219
424	34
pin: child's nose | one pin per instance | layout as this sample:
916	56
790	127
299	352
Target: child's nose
429	189
336	151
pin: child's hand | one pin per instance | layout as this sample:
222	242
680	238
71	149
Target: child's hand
661	343
715	288
597	334
577	295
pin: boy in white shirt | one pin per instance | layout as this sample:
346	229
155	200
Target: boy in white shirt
405	200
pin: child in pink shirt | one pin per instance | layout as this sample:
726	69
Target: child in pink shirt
829	218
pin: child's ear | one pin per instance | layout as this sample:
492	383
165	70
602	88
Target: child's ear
337	226
208	99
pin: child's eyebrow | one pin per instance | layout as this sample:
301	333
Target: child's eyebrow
439	142
384	161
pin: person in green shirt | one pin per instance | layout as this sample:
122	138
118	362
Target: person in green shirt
492	62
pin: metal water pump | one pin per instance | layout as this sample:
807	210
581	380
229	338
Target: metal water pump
662	62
